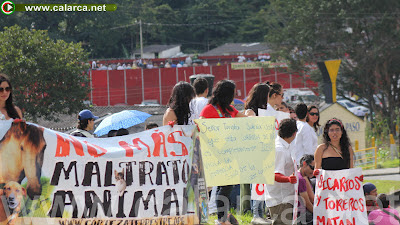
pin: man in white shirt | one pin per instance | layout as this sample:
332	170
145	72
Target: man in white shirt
280	195
304	142
197	104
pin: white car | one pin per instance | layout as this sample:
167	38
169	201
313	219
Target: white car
356	109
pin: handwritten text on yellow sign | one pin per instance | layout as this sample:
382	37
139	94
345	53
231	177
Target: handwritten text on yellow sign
238	150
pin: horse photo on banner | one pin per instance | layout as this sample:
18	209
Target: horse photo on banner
139	178
339	198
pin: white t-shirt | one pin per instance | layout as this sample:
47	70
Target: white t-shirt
270	108
279	193
306	141
196	106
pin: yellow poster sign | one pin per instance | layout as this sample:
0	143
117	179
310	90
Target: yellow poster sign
238	150
250	65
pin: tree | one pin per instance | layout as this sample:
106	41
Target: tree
364	34
47	76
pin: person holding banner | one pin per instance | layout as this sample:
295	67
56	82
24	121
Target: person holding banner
280	196
275	96
7	109
336	152
178	106
257	99
220	107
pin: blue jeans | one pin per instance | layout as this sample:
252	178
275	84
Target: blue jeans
258	208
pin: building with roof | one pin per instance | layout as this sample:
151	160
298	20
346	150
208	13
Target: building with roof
239	49
158	51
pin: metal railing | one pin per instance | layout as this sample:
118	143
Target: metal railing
366	158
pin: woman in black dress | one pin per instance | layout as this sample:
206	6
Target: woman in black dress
336	152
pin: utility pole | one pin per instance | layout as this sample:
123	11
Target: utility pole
141	40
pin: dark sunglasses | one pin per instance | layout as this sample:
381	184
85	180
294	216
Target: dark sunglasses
311	166
7	89
314	114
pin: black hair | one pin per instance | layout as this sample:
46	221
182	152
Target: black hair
182	94
258	97
284	104
287	128
150	125
10	107
316	125
223	94
200	85
383	201
122	132
112	133
275	88
306	158
82	124
301	110
344	139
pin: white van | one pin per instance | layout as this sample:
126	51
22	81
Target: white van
297	95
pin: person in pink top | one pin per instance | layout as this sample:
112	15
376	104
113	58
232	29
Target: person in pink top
385	215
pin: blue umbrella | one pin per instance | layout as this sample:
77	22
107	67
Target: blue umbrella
238	101
123	119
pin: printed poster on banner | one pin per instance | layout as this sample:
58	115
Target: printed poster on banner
237	150
140	178
339	198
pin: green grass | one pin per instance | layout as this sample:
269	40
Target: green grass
243	219
385	186
389	163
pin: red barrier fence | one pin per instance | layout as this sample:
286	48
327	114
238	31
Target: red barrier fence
132	86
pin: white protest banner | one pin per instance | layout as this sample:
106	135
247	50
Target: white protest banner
132	177
339	198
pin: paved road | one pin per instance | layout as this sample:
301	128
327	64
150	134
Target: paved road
384	177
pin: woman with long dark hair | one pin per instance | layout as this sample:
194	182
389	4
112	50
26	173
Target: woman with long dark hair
220	107
179	110
7	109
257	99
336	152
313	117
275	96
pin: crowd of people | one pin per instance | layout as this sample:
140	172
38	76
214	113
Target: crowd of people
149	64
296	135
170	63
296	140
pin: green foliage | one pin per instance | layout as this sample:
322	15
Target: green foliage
47	75
363	34
198	25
